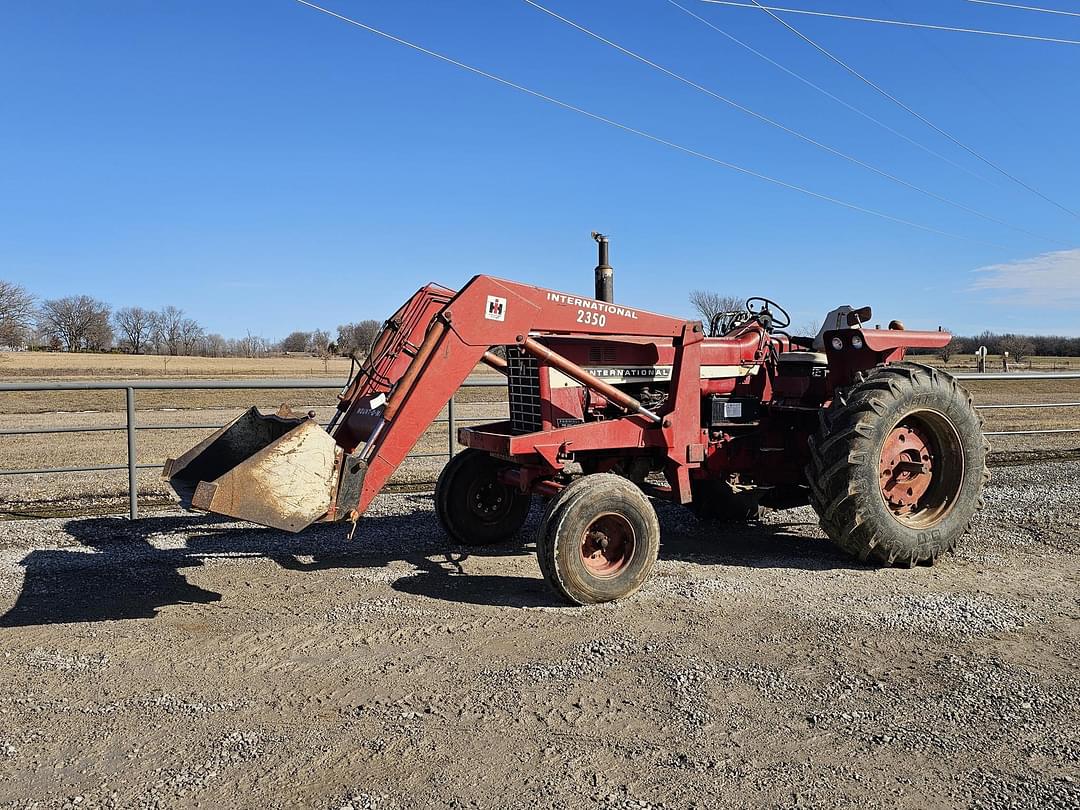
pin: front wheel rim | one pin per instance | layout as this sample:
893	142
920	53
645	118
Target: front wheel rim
607	545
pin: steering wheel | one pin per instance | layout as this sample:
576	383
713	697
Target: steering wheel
778	317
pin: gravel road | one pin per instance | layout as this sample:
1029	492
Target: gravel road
190	662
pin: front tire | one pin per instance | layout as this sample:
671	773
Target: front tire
898	467
599	540
474	507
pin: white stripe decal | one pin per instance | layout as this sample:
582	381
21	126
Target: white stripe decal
621	375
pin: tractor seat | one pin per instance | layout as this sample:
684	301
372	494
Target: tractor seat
806	358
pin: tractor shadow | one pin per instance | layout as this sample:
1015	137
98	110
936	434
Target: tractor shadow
115	569
110	568
788	539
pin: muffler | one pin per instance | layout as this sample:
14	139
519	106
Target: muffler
279	471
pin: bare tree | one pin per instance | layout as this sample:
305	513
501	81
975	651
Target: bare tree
214	345
168	327
249	346
135	326
16	314
357	337
99	337
76	322
1019	347
191	335
154	342
296	342
319	343
709	304
947	351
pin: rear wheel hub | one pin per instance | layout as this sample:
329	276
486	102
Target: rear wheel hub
906	468
920	468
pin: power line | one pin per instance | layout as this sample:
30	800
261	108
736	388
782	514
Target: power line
909	110
782	127
904	23
1026	8
641	133
826	93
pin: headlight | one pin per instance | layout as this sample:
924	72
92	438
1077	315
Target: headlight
838	343
856	341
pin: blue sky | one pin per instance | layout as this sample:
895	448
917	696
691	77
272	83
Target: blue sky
266	167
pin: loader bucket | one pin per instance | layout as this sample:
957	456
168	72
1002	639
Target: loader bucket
272	470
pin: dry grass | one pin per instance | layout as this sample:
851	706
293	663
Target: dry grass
60	367
63	365
966	362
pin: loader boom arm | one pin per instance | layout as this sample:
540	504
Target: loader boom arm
445	349
388	358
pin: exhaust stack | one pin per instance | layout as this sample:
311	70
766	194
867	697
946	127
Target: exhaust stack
605	274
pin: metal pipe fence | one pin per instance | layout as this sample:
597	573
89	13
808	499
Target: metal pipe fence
131	426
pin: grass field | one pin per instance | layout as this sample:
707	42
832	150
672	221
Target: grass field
64	365
966	362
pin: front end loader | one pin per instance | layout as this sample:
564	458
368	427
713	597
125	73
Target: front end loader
610	408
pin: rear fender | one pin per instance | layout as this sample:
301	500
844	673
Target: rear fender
878	346
887	340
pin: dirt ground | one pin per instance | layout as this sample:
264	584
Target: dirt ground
186	662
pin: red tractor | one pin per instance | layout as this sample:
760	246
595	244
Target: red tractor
612	406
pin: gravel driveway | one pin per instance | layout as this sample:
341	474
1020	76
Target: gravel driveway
189	662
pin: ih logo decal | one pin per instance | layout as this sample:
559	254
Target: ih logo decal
496	308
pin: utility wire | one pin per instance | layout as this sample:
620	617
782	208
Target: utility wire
825	92
642	133
784	128
1026	8
904	23
909	110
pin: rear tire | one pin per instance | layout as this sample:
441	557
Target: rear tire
599	540
473	506
898	467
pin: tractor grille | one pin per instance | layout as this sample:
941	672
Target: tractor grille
602	354
524	387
